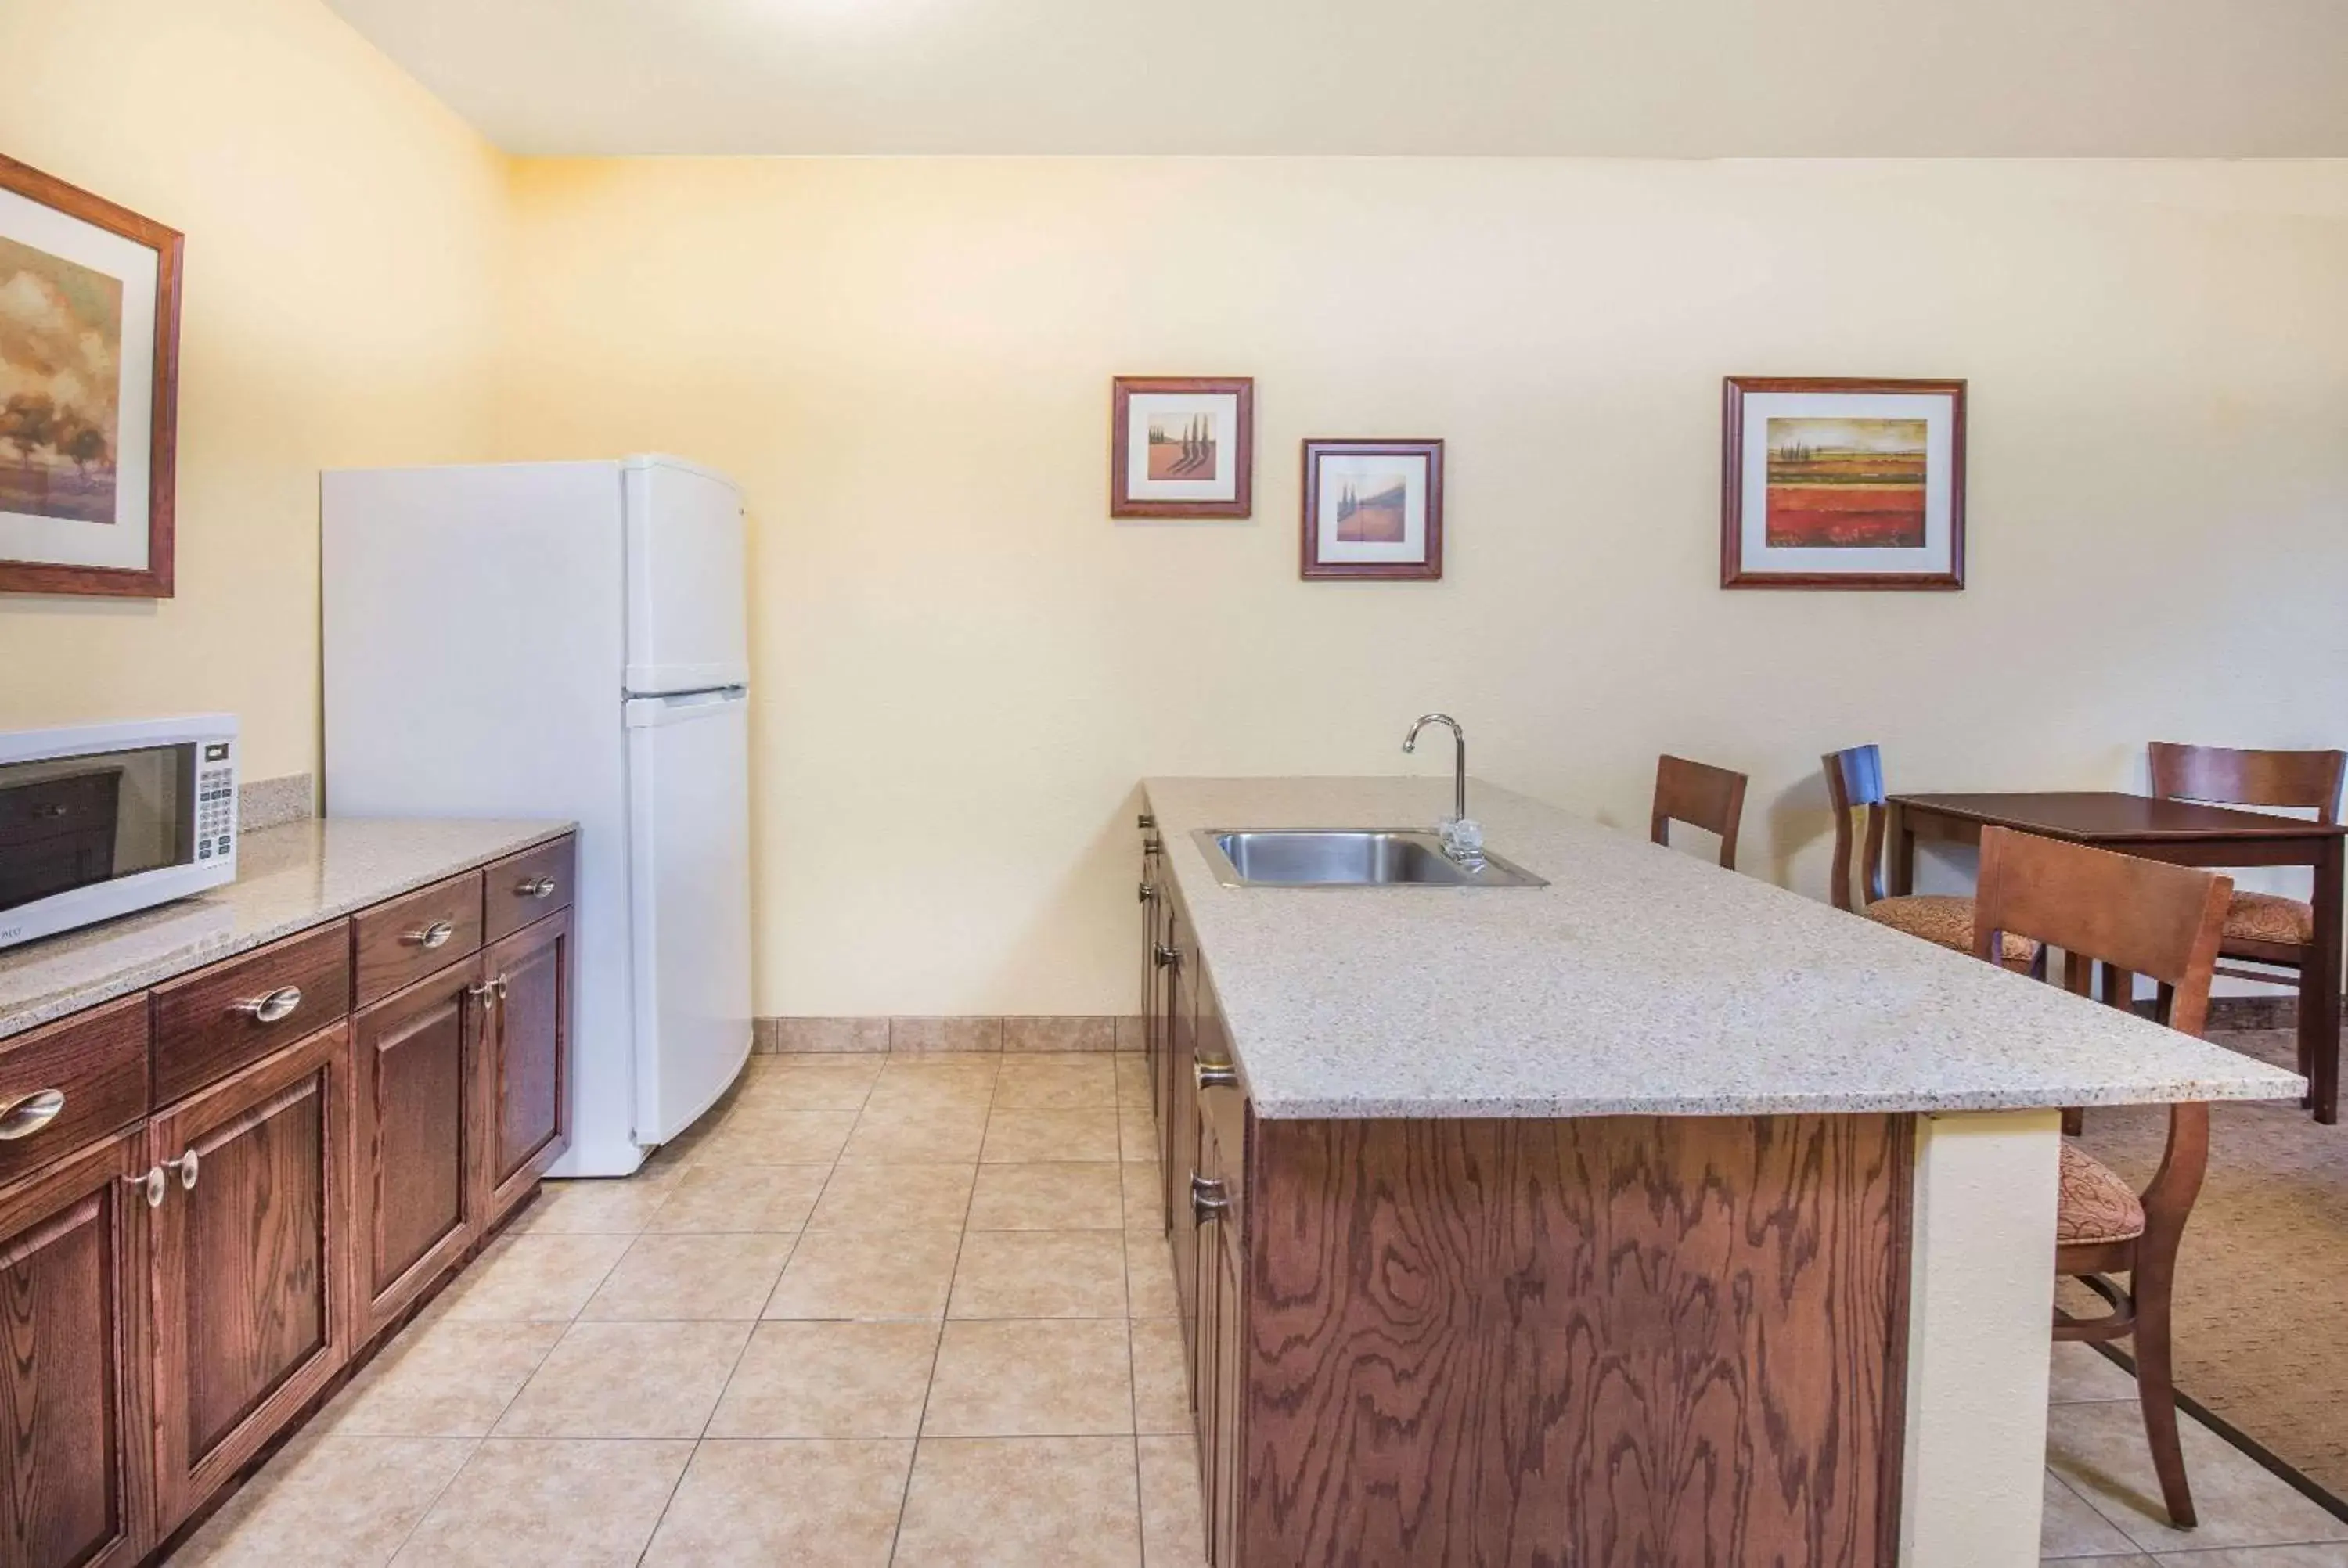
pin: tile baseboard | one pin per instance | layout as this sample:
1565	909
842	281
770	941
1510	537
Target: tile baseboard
1026	1032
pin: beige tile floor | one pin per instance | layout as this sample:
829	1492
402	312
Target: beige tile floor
2102	1500
907	1309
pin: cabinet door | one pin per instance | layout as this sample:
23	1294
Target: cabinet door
412	1215
1181	1160
1153	899
251	1258
76	1473
522	1099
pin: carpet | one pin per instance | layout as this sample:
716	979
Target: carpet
2262	1329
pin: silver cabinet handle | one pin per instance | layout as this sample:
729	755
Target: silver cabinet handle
1218	1075
1148	892
436	935
28	1114
1163	954
486	992
278	1004
152	1184
535	887
1209	1200
186	1164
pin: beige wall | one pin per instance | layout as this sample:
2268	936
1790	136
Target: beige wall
962	664
344	246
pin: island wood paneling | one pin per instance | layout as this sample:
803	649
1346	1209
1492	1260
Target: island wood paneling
1618	1340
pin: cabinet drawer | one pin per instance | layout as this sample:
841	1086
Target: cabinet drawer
528	886
70	1084
411	936
210	1023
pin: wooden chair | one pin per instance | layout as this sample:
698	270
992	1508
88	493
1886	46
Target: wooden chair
1702	796
2138	916
2260	928
1855	783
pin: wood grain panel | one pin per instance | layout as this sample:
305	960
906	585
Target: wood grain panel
204	1026
509	887
411	1218
96	1059
251	1263
524	1094
1596	1341
389	942
75	1477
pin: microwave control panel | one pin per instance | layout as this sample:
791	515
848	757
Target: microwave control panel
215	800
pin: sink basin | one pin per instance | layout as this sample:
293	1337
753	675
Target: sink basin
1347	857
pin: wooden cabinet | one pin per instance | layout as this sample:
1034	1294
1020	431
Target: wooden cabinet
77	1471
413	1210
249	1261
523	1091
1180	1155
218	1193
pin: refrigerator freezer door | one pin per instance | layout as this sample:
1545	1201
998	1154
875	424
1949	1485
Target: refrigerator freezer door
685	583
688	902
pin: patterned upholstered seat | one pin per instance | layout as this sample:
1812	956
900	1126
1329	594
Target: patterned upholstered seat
2269	918
1945	919
2096	1205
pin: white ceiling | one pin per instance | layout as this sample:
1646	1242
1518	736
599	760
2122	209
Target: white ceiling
1610	77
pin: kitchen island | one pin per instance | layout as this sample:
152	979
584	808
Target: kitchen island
1656	1214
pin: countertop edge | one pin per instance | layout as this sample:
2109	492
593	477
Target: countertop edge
142	976
1194	880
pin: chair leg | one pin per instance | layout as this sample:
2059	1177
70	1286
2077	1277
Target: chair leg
2158	1394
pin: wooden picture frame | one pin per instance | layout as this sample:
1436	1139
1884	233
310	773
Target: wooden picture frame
1842	482
1346	481
1182	446
113	279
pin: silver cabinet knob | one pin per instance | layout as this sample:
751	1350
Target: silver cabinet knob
278	1004
1209	1200
535	887
1145	820
1218	1075
1163	954
436	935
187	1165
28	1114
153	1185
1148	892
486	992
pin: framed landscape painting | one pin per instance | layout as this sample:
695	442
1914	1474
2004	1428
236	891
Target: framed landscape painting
1840	483
1182	447
1374	509
89	328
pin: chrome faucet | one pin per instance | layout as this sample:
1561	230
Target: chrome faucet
1462	841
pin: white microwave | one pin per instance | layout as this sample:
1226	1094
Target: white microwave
100	820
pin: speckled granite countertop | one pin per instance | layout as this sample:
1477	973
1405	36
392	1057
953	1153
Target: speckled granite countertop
288	878
1640	981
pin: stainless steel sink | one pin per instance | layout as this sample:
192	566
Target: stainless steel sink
1347	857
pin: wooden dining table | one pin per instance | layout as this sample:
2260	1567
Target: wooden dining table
2183	833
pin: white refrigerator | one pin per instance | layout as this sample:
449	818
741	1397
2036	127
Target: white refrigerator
567	639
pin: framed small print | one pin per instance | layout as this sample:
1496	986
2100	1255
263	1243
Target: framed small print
1182	447
1374	509
89	331
1842	483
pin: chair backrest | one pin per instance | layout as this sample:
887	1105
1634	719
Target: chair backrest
1855	782
1702	796
2222	775
2139	916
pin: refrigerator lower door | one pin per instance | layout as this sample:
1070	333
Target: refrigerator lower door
688	902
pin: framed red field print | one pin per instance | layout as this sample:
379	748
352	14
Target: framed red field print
1831	482
89	334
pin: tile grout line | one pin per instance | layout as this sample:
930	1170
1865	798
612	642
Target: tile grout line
937	1350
